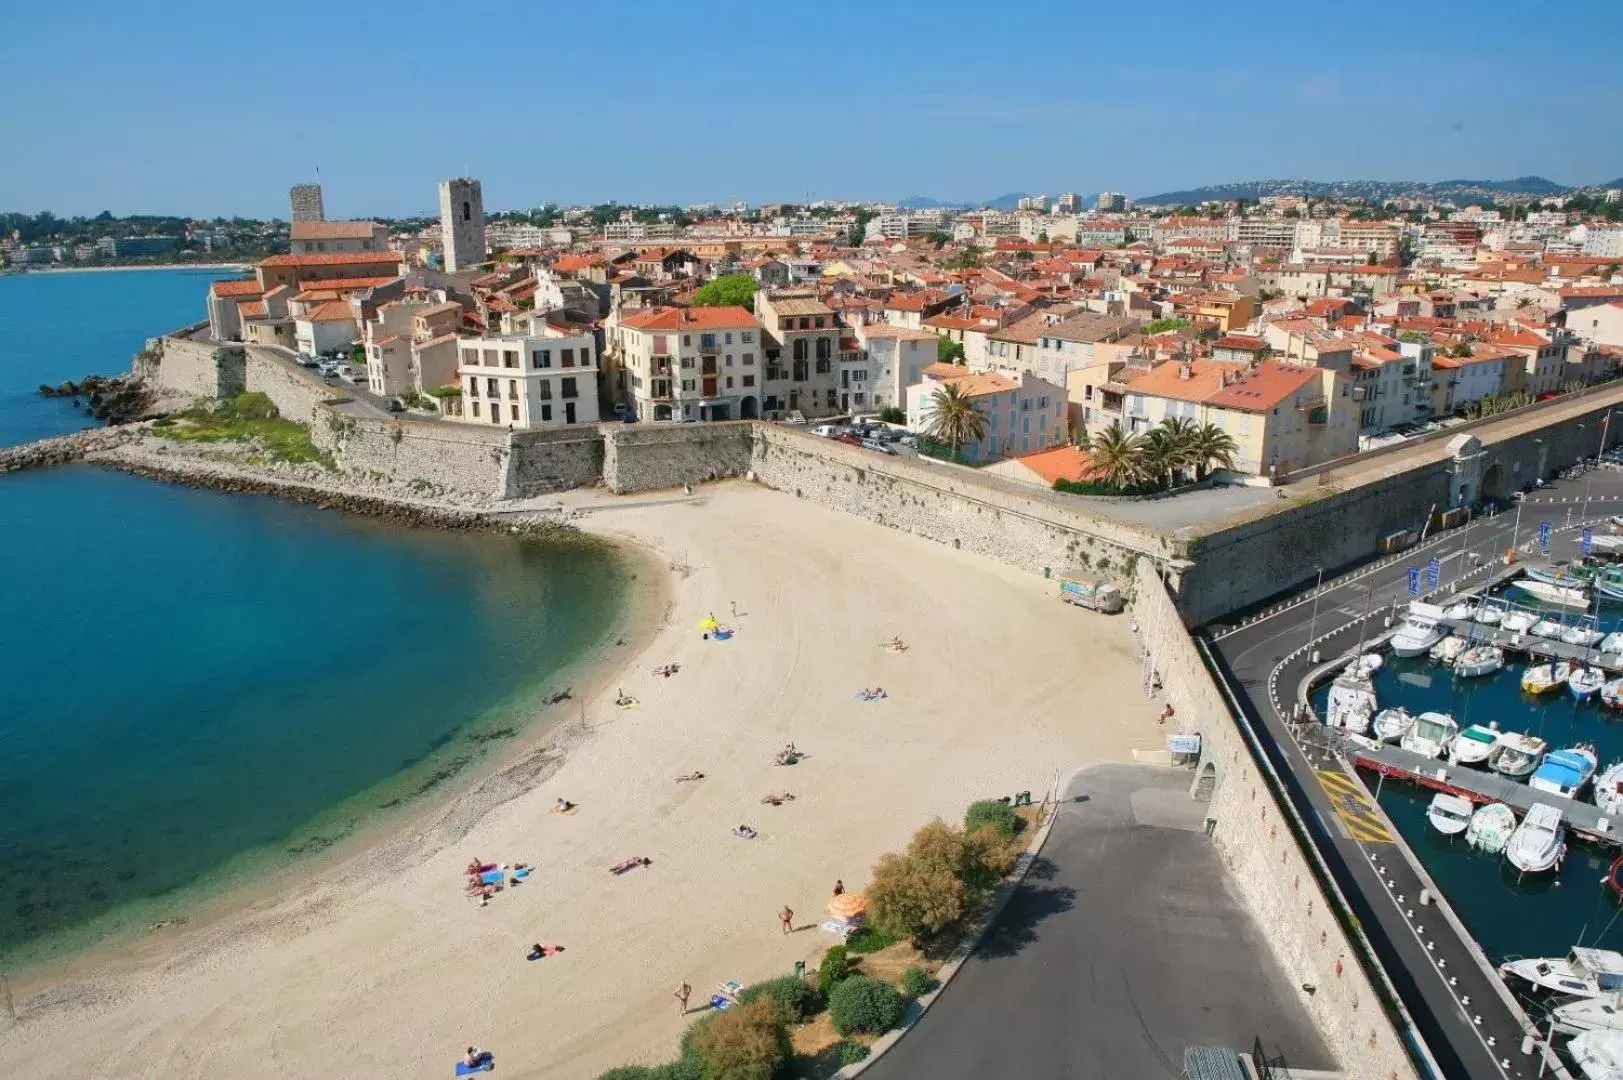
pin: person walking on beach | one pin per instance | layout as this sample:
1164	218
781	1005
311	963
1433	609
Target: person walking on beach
839	886
787	918
733	604
681	996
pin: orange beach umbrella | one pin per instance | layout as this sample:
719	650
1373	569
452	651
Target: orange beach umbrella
848	905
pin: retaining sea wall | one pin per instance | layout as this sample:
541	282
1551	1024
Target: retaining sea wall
650	457
195	368
1266	865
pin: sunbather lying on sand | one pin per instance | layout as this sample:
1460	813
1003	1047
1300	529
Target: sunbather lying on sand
895	644
778	800
563	806
688	776
538	950
631	864
744	831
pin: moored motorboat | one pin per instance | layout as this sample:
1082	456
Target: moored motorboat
1565	772
1390	724
1553	575
1448	650
1367	664
1583	973
1608	793
1491	827
1351	703
1611	590
1585	683
1421	630
1475	745
1519	754
1545	628
1581	635
1539	842
1612	694
1600	1013
1612	643
1430	735
1479	660
1560	595
1598	1054
1449	814
1488	615
1464	611
1517	621
1540	679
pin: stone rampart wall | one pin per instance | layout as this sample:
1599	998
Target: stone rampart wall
433	458
1266	867
650	457
546	461
296	392
1015	526
200	368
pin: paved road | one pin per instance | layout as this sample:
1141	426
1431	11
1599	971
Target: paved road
1122	948
1256	657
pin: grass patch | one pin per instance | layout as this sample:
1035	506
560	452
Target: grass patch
248	417
870	939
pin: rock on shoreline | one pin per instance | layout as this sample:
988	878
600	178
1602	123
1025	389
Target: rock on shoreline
117	399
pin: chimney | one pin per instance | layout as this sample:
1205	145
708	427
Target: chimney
1183	370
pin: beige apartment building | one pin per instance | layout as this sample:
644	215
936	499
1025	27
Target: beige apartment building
802	351
543	379
669	363
316	237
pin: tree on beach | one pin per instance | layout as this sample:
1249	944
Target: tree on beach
747	1042
953	418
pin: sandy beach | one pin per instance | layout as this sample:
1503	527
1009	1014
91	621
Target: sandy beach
393	972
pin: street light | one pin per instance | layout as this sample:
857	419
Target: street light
1313	621
1605	424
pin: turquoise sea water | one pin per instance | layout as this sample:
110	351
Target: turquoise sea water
1539	915
197	685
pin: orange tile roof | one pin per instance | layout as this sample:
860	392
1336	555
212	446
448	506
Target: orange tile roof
1060	463
334	230
974	384
1264	387
1205	378
699	318
253	310
569	263
334	258
331	311
235	288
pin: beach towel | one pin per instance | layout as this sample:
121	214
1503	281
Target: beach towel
520	875
719	1002
491	877
487	1062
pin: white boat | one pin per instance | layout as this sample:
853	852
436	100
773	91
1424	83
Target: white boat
1585	683
1545	628
1449	814
1581	635
1541	679
1479	660
1519	754
1488	616
1351	703
1539	842
1583	973
1448	650
1431	734
1491	827
1390	724
1604	1013
1565	772
1606	542
1608	794
1421	630
1612	694
1465	610
1368	664
1560	595
1612	643
1517	621
1598	1054
1475	745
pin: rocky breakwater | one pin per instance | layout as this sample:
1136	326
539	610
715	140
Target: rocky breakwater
116	399
64	448
317	486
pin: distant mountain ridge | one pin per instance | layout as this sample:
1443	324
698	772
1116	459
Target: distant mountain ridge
1002	202
1373	190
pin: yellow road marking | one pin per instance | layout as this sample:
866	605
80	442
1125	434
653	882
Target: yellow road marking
1361	817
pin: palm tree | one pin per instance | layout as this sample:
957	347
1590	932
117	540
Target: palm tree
1177	436
1116	456
1210	445
953	418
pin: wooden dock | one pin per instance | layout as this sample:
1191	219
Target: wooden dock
1481	786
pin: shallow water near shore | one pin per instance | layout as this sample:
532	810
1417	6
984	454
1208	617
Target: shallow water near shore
202	688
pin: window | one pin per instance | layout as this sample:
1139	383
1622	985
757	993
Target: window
567	390
1042	402
687	339
687	361
546	413
822	366
495	413
544	388
749	380
729	360
470	357
747	337
661	345
512	389
856	398
727	338
687	384
566	357
492	389
535	359
799	349
490	358
473	387
818	322
707	343
805	323
476	408
749	359
824	349
585	357
729	382
509	358
467	210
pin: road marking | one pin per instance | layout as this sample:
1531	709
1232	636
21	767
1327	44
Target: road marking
1363	821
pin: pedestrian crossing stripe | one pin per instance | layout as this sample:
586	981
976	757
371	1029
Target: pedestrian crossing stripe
1362	819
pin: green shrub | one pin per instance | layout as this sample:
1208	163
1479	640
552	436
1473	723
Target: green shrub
836	966
890	414
999	815
866	1005
916	982
797	999
747	1042
849	1053
631	1072
870	939
688	1054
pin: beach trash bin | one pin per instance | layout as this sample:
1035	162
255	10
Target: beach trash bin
800	969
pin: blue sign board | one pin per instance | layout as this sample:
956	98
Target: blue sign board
1434	571
1414	581
1589	540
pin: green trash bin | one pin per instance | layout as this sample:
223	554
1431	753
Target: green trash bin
800	969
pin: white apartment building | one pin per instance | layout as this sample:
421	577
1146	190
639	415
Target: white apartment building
1112	202
1277	234
1604	243
543	379
702	363
1462	380
1023	413
897	358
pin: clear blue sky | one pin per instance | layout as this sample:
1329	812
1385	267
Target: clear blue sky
216	108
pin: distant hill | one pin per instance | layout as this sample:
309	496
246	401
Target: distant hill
924	202
1372	190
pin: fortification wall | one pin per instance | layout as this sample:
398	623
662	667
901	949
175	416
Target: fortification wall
547	461
432	458
1266	867
297	393
965	510
650	457
199	368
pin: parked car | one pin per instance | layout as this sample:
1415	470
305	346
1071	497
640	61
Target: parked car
826	431
879	445
623	413
327	368
306	360
397	404
849	438
348	374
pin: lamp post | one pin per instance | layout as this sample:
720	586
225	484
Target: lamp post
1313	621
1605	425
